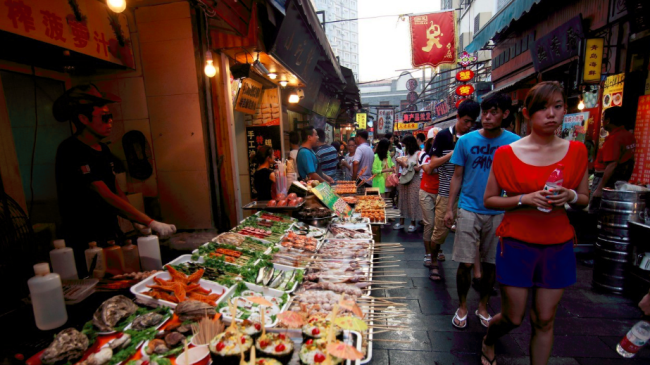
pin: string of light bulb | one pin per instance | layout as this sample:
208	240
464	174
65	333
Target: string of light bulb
116	6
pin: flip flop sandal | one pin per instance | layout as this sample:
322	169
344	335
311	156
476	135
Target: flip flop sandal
460	320
441	256
491	362
435	276
489	317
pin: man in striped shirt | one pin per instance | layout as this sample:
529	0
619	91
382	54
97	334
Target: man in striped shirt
441	152
328	157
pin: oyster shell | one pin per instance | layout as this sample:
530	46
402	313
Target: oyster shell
173	339
191	309
69	344
150	319
112	311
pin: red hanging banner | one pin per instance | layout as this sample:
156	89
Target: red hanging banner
433	39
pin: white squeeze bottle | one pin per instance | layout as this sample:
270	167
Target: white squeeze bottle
47	298
131	257
635	338
149	249
555	180
100	263
62	259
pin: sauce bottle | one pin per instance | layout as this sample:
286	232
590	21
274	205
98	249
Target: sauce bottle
114	259
131	257
100	263
149	249
62	259
47	298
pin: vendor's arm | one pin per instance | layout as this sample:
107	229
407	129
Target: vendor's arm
129	211
609	171
355	170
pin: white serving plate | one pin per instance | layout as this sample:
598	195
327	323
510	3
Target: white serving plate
277	292
202	260
141	287
266	291
259	214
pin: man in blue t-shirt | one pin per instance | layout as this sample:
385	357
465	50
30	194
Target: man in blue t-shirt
328	156
306	159
476	225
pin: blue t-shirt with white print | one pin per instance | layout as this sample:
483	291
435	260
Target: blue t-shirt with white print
475	152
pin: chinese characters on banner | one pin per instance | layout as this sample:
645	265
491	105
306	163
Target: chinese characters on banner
385	118
560	44
442	108
362	119
613	91
53	22
593	60
255	138
406	126
249	96
641	173
433	39
410	117
573	127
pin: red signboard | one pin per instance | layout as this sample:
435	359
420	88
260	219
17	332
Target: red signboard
641	173
433	39
464	75
410	117
442	108
464	90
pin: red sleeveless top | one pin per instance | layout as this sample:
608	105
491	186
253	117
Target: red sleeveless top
516	177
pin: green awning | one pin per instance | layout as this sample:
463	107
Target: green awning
510	13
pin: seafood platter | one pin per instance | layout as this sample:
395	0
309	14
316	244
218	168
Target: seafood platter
298	295
372	207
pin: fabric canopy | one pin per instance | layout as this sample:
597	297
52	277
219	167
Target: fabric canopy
510	13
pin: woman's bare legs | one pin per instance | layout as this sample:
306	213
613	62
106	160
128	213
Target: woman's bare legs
542	317
513	308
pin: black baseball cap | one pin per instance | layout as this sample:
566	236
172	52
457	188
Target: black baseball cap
80	96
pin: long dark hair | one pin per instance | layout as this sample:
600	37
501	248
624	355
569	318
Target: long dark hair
382	149
411	145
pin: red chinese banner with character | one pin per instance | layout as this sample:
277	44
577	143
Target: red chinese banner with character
54	22
433	39
641	172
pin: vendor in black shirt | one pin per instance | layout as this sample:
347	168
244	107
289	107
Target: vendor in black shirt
264	177
89	197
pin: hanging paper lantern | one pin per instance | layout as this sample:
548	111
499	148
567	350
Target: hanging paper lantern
464	90
464	75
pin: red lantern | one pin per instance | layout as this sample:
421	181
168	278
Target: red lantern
464	75
464	90
460	101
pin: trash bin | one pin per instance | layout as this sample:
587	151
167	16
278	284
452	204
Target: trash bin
613	251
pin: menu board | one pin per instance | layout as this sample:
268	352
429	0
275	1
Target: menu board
327	196
256	137
573	127
641	173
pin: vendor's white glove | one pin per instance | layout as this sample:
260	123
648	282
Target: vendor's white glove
163	229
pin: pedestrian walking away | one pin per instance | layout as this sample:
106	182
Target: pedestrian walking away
441	152
409	185
536	248
363	159
476	224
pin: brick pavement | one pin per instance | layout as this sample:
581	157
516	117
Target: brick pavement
588	326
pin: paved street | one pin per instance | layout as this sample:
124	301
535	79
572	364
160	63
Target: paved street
587	329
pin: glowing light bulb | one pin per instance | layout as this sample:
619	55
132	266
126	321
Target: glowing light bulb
209	69
117	6
284	83
581	105
272	76
293	98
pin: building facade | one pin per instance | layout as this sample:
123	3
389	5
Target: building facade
342	35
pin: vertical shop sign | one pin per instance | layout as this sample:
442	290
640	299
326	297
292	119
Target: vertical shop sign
433	39
593	60
613	91
385	120
560	44
257	137
361	119
249	96
641	172
53	22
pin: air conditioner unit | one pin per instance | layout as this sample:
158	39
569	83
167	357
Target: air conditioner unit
465	39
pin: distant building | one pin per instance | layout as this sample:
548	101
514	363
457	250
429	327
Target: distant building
343	36
388	93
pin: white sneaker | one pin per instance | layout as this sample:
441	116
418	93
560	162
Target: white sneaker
398	226
411	229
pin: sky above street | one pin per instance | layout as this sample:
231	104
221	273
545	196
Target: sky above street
384	43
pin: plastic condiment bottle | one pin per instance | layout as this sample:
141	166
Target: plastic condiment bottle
114	259
149	248
131	257
62	259
554	181
47	298
100	263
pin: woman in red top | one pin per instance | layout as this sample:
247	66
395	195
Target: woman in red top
536	249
